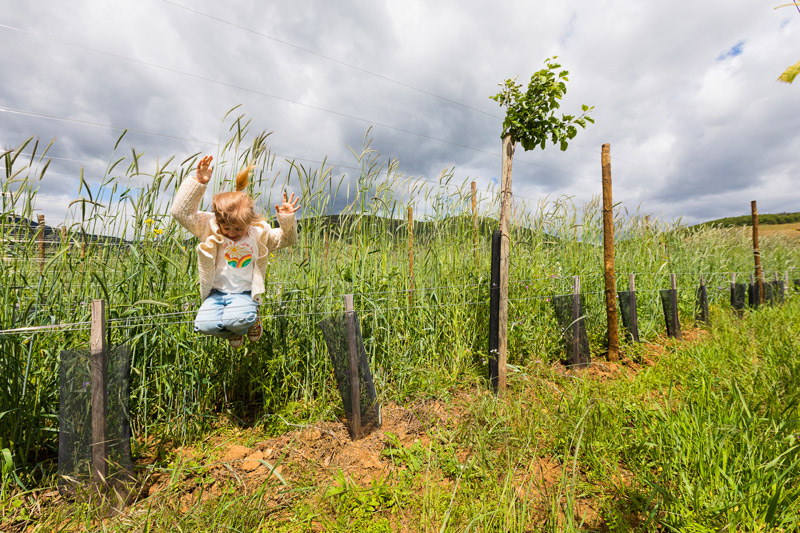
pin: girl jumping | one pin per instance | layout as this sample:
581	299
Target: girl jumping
233	253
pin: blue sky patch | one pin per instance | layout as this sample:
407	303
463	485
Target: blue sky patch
734	51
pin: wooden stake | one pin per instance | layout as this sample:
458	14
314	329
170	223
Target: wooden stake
99	378
785	285
475	217
612	320
505	204
410	254
576	320
757	252
40	239
632	305
355	385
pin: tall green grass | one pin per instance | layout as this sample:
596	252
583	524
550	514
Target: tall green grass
418	342
703	439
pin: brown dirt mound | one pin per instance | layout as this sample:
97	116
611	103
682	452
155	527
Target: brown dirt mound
314	453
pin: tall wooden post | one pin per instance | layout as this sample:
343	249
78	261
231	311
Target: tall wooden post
634	314
40	239
355	385
576	320
475	217
612	319
99	378
410	254
505	236
785	285
757	252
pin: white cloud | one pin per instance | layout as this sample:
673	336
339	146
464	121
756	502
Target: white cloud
685	93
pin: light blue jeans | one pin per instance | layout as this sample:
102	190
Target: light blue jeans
226	315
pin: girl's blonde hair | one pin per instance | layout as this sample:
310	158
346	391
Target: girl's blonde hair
236	208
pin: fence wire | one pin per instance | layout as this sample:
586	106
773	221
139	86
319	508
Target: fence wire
191	307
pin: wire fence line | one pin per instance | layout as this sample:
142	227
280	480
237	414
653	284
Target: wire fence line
552	277
189	308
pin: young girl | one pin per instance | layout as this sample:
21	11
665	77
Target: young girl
233	253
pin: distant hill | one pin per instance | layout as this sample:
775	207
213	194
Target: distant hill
746	220
19	229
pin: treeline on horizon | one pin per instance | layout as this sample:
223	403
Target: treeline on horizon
747	220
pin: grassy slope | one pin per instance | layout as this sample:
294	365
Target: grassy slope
696	435
746	220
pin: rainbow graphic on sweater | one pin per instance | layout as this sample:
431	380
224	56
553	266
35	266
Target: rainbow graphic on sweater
238	257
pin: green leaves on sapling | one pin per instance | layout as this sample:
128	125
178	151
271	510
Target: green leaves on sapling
531	115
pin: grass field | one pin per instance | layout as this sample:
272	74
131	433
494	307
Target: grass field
680	435
790	231
699	435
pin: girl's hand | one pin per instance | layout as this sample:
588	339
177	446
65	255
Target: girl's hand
289	206
204	170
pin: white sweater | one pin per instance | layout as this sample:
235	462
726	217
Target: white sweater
203	225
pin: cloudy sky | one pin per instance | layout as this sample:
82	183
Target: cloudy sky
685	92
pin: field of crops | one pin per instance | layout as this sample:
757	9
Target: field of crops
424	328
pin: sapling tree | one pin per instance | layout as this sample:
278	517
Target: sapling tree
531	116
531	120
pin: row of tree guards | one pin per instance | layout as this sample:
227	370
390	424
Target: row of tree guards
94	419
569	308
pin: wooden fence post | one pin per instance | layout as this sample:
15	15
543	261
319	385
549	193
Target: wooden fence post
475	218
40	239
610	278
785	285
505	241
576	318
410	254
632	305
355	385
99	379
757	252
